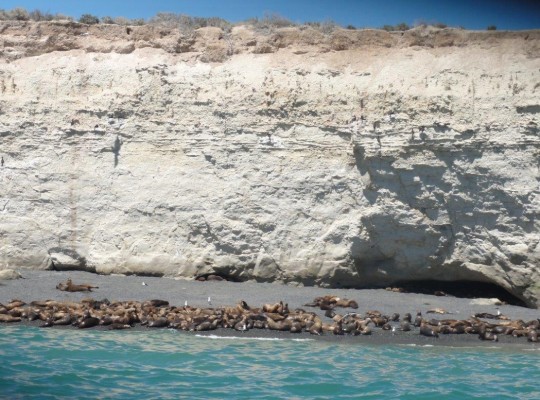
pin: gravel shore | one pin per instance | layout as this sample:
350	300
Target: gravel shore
41	285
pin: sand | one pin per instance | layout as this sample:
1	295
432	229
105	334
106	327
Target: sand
41	285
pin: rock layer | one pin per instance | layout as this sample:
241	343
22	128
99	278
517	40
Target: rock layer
356	159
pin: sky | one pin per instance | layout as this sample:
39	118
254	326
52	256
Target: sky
470	14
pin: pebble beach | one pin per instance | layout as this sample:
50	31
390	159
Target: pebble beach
41	285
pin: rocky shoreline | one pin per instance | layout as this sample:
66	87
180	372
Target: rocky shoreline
219	298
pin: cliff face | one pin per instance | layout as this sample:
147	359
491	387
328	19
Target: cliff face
356	159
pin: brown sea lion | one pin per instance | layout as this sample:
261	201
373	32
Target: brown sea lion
69	286
9	318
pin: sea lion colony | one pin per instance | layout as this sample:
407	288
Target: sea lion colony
160	314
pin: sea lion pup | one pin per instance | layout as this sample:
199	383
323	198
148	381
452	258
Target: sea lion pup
47	323
394	317
445	329
160	322
155	303
485	335
379	321
426	330
418	320
316	328
338	328
87	321
242	325
407	317
67	319
533	324
330	313
405	326
532	336
366	331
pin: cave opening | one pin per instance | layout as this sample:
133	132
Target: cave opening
213	276
466	289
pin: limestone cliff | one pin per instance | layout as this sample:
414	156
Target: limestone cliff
360	158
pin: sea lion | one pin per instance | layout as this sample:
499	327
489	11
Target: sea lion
283	325
426	330
445	329
405	326
345	303
205	326
65	320
366	331
117	326
156	303
296	327
159	323
532	336
88	323
69	286
485	335
437	311
418	320
48	323
9	318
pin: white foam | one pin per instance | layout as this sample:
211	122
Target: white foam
251	338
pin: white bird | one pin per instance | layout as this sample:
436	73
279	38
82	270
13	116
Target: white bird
498	312
145	284
185	303
209	301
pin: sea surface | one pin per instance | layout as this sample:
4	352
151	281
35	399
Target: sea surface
52	363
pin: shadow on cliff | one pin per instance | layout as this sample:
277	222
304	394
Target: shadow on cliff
433	208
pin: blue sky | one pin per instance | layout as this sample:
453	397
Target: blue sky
471	14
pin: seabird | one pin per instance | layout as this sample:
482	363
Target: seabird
145	284
209	301
185	303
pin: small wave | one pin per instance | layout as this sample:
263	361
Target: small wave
251	338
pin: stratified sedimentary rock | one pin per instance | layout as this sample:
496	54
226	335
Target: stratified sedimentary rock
357	158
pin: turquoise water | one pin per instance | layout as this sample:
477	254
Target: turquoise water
48	364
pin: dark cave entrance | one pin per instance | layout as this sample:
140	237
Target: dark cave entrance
466	289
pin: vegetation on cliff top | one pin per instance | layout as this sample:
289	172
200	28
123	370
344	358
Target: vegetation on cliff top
188	23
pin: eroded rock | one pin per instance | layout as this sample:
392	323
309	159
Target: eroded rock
361	158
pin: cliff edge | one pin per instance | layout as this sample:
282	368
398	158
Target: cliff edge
353	159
